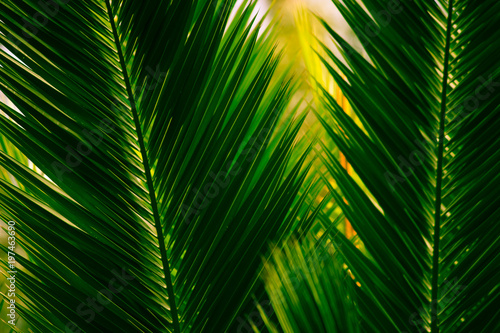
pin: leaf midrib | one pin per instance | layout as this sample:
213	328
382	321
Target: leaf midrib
439	178
147	170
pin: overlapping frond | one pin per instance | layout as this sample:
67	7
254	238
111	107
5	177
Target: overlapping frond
309	289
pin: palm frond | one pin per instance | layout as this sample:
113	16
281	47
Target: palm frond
310	290
427	98
154	124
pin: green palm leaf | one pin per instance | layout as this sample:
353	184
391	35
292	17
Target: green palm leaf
154	123
309	289
428	154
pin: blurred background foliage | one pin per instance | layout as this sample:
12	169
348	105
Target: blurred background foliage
303	37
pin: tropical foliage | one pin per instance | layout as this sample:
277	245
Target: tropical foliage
164	172
427	152
153	126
